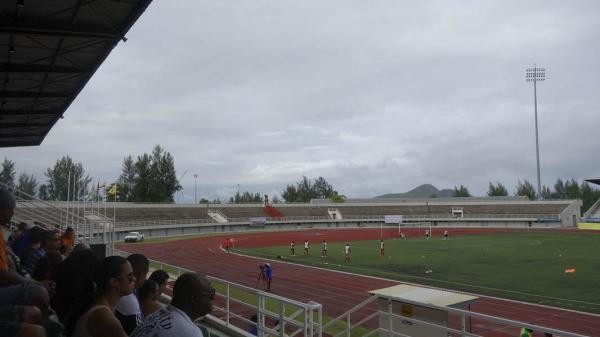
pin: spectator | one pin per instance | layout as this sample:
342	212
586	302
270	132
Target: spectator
22	300
114	278
148	296
161	277
67	241
128	310
192	298
45	267
17	233
73	281
526	332
32	238
81	246
254	328
21	238
49	242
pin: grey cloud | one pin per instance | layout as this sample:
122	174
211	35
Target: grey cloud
377	97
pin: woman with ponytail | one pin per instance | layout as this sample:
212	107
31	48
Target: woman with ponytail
113	278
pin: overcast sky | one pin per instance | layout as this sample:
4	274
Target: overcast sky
375	96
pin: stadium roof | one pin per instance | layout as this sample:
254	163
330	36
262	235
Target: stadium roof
49	50
593	180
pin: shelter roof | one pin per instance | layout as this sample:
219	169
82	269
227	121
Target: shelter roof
593	180
49	50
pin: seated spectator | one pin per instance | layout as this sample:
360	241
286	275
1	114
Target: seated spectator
67	241
81	246
33	238
192	298
128	309
22	300
114	279
72	282
161	277
45	267
17	233
21	238
148	295
49	242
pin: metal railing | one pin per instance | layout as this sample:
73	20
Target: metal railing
406	218
48	215
158	222
295	318
388	320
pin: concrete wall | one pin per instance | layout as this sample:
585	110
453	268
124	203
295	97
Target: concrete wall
158	231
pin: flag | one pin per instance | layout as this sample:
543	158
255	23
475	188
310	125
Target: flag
112	190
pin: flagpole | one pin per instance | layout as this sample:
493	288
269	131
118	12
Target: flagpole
84	202
112	232
105	202
68	195
75	180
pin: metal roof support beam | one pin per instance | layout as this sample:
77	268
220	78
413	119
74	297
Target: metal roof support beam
27	112
22	125
32	68
58	32
19	134
30	94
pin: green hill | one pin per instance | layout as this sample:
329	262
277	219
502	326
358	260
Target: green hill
423	191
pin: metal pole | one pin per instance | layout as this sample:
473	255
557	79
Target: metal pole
537	143
68	196
195	188
534	75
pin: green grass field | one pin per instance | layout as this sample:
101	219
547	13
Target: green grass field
526	267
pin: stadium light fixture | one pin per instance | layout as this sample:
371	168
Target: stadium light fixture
534	75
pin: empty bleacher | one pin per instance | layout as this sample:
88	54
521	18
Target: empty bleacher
244	211
302	211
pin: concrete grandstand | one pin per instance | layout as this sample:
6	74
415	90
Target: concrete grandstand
159	220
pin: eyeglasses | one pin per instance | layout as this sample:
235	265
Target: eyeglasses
210	293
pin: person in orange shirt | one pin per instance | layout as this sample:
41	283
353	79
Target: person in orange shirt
16	290
67	242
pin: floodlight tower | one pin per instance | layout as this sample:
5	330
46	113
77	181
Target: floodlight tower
195	188
534	75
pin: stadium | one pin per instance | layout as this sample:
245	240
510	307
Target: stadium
471	266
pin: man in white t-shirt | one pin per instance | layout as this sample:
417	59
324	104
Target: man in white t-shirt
324	249
305	252
192	298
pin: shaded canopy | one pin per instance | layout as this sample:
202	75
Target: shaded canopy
49	50
593	180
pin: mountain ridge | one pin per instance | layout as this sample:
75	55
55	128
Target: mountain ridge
421	191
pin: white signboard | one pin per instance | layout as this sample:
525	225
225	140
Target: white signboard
393	219
257	221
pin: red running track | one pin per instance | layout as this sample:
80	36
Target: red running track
336	291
